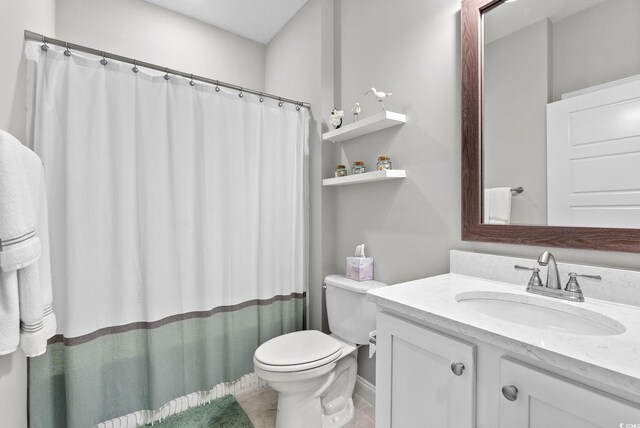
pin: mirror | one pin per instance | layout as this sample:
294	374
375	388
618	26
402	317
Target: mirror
561	112
551	122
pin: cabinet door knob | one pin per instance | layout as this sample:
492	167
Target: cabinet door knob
457	368
510	392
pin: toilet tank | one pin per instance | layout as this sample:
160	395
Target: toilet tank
351	316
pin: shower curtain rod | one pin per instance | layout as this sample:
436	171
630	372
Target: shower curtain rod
30	35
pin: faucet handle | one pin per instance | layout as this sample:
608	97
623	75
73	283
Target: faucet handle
573	285
594	277
535	276
519	267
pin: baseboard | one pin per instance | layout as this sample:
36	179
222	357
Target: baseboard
366	390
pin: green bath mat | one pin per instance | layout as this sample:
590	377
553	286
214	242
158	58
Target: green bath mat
223	412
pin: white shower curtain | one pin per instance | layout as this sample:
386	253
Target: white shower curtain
177	233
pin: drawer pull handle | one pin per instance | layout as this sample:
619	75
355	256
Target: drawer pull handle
457	368
510	392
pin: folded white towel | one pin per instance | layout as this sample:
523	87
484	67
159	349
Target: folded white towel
19	245
9	312
24	251
497	205
32	335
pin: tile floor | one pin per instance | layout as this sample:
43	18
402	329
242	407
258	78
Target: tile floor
261	404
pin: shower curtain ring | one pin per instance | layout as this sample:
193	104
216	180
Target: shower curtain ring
191	82
217	87
135	67
280	102
261	97
44	46
103	61
166	74
241	94
67	52
297	107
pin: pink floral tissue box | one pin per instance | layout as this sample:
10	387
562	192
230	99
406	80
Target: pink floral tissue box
360	268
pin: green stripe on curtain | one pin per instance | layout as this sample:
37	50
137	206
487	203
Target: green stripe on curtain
116	374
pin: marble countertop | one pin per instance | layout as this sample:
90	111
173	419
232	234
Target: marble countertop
611	360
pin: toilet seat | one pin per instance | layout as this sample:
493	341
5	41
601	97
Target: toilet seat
298	351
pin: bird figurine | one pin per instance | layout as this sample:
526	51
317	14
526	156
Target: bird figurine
336	117
379	95
356	111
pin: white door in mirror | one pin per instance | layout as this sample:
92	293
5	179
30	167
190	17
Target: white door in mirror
593	154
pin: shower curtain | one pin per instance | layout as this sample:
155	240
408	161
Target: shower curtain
178	237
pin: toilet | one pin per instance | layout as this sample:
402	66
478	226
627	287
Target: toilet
315	373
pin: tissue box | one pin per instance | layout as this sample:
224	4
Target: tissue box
360	268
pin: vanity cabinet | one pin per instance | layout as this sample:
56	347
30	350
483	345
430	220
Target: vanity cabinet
416	386
544	400
415	383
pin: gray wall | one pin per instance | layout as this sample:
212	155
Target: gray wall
138	29
413	49
15	17
596	46
299	65
517	82
409	48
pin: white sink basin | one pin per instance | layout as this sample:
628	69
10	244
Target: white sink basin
542	313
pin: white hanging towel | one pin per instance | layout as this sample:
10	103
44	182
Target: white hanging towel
497	205
26	315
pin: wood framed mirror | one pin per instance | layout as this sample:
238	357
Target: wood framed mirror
474	223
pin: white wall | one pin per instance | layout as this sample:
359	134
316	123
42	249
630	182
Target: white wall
138	29
517	82
15	16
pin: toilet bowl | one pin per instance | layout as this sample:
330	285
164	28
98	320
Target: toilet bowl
313	372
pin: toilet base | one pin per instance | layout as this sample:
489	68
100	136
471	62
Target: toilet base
316	398
319	402
341	418
298	411
301	410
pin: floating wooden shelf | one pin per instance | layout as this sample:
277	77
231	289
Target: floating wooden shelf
389	174
384	119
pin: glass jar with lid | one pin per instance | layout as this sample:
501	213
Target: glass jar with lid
358	167
341	170
384	162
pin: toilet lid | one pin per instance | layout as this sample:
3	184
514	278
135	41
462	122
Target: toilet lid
300	347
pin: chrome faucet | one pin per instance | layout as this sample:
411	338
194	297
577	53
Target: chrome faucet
553	288
553	277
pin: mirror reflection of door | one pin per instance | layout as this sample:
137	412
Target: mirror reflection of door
541	57
593	157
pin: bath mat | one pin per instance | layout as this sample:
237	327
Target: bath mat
223	412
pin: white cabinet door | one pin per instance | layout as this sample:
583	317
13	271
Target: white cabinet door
545	400
415	383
